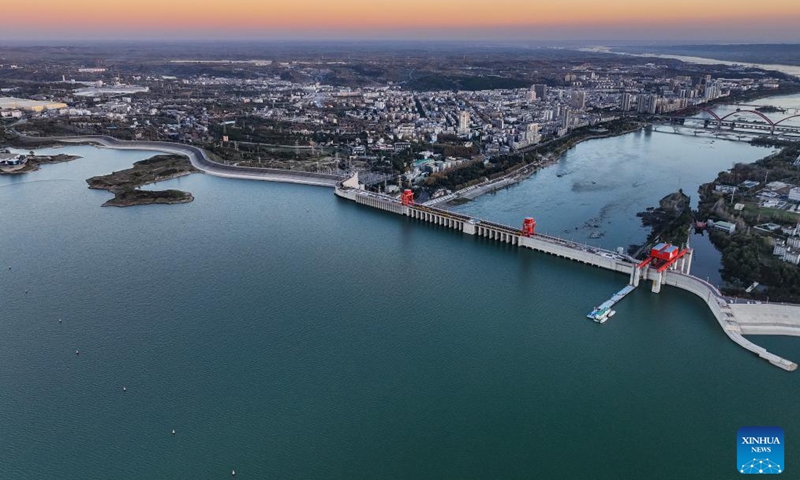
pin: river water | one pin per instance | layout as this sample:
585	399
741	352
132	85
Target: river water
787	69
284	333
599	186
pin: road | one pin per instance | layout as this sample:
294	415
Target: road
201	161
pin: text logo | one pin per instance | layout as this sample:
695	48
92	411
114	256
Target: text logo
760	450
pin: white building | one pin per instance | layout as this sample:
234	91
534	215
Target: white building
532	133
463	122
724	226
626	102
11	159
794	194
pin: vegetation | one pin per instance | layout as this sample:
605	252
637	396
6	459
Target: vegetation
747	254
124	184
670	222
474	172
127	198
446	82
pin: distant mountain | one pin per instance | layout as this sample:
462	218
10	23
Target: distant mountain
779	54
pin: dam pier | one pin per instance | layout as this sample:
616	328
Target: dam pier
666	265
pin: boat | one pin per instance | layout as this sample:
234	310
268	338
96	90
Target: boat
600	315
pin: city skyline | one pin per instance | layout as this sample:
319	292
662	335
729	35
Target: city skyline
502	20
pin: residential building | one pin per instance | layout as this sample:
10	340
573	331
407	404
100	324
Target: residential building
463	122
541	91
626	102
578	100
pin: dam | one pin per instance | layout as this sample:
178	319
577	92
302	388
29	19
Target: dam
666	266
736	317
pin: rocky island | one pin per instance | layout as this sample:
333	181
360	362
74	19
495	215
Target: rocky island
669	222
125	183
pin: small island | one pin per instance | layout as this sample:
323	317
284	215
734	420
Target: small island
770	109
669	222
125	183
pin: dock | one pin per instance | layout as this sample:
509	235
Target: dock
602	312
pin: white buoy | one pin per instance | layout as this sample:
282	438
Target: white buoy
59	320
173	431
77	352
233	473
124	389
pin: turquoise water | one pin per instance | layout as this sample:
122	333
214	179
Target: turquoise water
284	333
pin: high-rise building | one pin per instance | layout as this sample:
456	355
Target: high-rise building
566	119
541	91
711	91
641	105
463	122
532	94
532	133
652	104
578	100
626	102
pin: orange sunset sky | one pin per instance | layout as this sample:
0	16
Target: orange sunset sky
402	18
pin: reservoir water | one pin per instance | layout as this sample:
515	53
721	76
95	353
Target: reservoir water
284	333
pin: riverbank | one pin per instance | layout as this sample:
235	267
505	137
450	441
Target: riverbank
753	198
125	184
790	70
559	148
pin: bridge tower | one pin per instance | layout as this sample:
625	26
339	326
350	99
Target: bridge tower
408	197
528	227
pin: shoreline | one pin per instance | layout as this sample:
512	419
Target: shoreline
199	158
791	70
126	184
186	198
518	175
